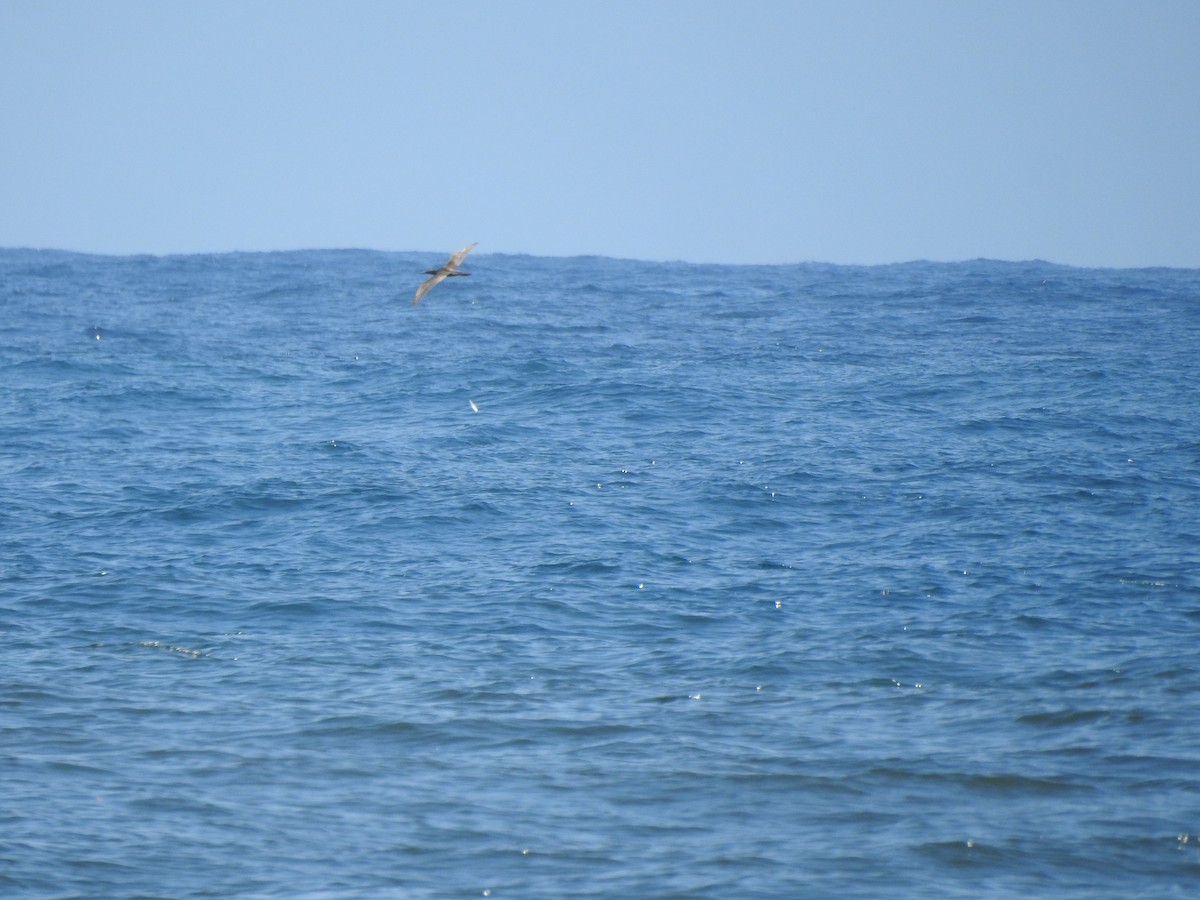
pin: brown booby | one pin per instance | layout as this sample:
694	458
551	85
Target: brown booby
437	276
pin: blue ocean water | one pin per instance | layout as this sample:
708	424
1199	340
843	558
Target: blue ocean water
594	577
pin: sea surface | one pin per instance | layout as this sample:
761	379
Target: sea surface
597	578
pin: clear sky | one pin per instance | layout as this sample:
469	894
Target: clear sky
738	132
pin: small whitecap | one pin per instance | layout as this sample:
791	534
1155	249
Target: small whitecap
474	408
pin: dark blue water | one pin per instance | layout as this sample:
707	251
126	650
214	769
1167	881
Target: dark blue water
741	581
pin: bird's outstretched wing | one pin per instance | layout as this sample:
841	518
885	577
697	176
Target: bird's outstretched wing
429	284
457	258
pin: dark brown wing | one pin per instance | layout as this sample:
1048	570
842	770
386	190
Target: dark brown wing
457	258
427	286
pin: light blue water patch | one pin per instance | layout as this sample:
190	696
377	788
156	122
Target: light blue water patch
597	577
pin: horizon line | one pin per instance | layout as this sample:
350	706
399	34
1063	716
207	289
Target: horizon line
647	260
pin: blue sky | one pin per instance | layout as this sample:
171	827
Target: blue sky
735	132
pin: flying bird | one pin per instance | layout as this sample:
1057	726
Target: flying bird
437	276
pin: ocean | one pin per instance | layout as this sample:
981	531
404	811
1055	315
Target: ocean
597	578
